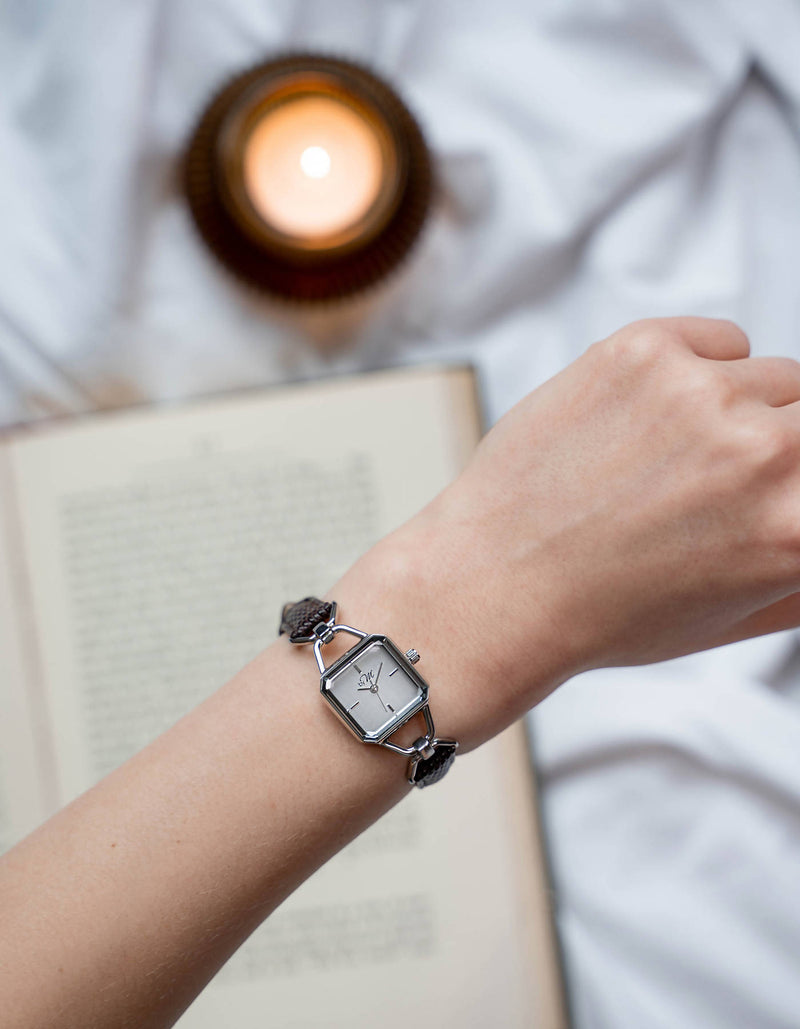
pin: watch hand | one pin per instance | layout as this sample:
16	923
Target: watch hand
378	675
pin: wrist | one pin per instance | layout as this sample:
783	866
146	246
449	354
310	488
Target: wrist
424	587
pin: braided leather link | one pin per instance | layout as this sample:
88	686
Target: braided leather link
299	620
427	771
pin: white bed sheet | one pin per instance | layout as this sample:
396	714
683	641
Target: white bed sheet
600	162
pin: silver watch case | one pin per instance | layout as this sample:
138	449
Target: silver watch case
349	658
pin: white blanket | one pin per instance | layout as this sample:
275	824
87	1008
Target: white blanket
601	161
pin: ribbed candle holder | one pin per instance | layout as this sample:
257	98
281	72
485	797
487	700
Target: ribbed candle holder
308	178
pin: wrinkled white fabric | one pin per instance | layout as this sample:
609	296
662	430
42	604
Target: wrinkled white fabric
600	161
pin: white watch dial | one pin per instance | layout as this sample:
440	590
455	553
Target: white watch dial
376	689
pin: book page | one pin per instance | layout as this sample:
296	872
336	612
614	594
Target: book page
161	547
23	757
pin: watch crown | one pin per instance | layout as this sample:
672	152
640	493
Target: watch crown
412	656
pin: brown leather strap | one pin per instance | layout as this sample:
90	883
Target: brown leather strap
426	771
299	619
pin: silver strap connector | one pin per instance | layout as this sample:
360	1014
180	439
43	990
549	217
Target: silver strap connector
324	632
423	747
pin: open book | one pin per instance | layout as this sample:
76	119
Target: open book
144	557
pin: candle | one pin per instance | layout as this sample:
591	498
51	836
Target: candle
308	177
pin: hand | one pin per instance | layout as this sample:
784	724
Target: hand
644	503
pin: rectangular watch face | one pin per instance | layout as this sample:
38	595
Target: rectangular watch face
374	688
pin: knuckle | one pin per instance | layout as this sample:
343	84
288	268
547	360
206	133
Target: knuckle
639	344
695	390
711	385
771	446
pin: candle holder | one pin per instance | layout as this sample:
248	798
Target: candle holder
308	178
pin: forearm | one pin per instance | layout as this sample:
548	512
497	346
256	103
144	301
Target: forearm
120	909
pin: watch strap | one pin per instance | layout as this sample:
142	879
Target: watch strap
426	771
299	620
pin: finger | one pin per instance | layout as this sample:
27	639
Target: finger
715	338
773	380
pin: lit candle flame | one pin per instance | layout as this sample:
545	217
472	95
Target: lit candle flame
315	162
313	168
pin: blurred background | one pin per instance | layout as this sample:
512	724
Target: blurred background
596	161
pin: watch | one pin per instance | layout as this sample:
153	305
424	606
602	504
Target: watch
373	687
